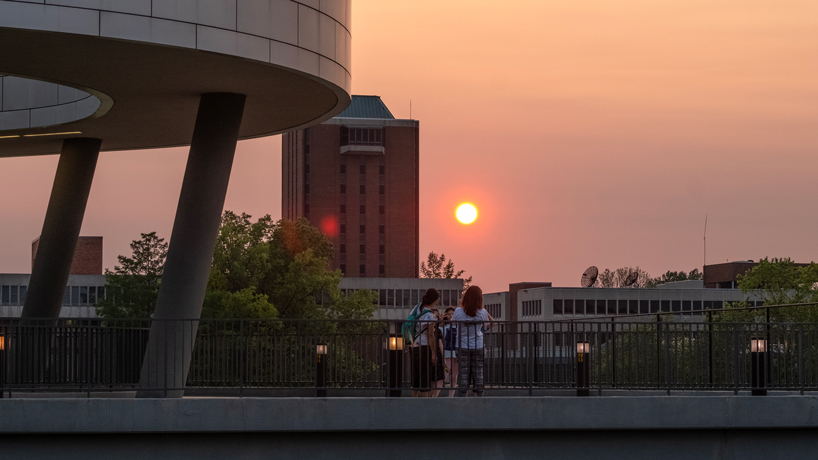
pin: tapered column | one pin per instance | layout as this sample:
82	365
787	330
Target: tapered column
61	228
190	253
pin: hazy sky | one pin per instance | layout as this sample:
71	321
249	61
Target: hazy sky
586	133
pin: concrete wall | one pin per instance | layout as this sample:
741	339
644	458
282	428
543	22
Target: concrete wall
711	427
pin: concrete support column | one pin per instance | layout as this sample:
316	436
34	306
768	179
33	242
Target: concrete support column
190	253
61	228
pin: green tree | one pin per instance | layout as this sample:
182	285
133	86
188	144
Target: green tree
132	287
437	267
617	278
778	282
286	261
245	303
673	276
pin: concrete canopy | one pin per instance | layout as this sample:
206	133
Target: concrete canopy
146	64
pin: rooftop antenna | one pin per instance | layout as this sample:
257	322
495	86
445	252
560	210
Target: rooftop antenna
705	241
589	277
410	109
632	278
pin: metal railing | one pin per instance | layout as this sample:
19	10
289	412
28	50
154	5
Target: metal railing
301	357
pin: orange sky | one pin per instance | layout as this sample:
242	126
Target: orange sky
591	132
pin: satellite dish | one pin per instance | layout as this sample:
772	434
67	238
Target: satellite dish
589	277
632	277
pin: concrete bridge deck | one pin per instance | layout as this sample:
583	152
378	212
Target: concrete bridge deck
675	427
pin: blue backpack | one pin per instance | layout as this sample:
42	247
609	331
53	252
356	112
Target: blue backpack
450	339
409	328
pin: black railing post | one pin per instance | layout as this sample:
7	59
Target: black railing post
658	351
735	360
710	346
613	351
668	381
242	357
801	357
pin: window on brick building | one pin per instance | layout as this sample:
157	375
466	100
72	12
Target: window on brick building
381	209
343	188
363	249
362	169
343	209
343	228
343	248
382	189
382	249
381	170
382	230
362	270
363	228
363	189
363	209
382	270
343	169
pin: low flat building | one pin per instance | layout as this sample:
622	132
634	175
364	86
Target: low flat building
397	296
553	304
82	293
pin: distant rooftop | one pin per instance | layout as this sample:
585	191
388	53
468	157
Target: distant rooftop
366	107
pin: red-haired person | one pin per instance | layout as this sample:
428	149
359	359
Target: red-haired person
470	318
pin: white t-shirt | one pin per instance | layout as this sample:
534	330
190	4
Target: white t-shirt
426	321
468	335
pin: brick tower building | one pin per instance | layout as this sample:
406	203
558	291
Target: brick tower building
355	177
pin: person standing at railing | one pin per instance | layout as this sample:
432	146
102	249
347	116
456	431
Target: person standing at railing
470	319
449	347
424	346
440	365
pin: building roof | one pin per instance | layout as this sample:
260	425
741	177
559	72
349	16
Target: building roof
366	107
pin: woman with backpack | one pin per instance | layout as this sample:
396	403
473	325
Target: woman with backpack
424	346
470	319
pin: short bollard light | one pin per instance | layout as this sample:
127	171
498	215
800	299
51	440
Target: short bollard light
394	378
321	371
583	368
758	366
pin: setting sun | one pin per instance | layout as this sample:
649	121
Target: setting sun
466	213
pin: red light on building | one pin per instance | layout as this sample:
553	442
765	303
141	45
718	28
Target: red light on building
329	226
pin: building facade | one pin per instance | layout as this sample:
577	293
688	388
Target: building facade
82	292
87	255
554	304
356	177
396	297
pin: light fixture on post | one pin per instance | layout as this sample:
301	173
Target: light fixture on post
394	372
321	371
758	366
583	368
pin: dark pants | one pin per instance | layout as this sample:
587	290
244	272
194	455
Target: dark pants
470	362
422	370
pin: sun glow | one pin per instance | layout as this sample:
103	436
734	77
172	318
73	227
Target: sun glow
466	213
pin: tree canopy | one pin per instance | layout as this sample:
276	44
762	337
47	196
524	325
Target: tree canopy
617	278
437	267
261	269
133	285
778	281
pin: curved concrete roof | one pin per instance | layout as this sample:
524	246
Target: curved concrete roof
131	72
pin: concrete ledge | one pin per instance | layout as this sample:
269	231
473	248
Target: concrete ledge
247	415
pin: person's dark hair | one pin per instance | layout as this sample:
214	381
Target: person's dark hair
472	300
448	309
430	297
